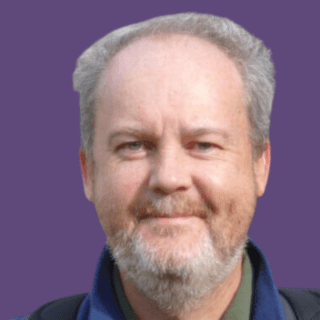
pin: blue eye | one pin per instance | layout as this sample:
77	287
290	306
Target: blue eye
205	145
135	145
202	146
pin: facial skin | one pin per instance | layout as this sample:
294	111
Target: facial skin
176	191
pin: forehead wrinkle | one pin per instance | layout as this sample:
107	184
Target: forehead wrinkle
140	131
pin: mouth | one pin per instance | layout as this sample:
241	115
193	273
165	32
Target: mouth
172	220
165	216
174	216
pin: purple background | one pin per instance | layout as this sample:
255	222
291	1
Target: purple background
50	235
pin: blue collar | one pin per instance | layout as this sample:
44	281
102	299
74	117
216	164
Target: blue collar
102	303
266	302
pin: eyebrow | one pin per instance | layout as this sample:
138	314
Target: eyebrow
127	131
194	132
208	130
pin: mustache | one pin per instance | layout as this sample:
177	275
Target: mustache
171	206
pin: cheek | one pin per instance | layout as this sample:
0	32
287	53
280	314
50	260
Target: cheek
230	179
231	194
127	187
119	182
113	194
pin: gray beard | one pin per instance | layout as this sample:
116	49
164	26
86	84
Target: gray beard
176	287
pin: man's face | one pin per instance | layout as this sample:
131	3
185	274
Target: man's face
172	151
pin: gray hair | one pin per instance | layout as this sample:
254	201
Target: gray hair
252	58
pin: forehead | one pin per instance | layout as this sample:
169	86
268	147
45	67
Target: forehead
168	55
175	78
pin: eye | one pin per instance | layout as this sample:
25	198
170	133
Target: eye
131	146
202	146
134	146
205	145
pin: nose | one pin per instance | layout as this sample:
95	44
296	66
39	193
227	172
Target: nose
170	172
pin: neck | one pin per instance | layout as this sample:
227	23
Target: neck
212	306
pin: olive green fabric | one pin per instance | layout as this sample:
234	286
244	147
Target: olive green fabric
241	304
239	309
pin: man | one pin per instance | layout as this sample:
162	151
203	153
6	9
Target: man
175	151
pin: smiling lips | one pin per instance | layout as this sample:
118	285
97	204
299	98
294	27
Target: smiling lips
170	216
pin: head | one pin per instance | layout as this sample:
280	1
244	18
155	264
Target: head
175	176
251	56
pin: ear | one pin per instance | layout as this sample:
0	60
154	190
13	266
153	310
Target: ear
87	175
262	168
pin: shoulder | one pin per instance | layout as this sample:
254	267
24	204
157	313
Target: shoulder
312	294
304	302
63	308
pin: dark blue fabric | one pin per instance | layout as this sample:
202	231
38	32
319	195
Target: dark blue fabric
102	304
266	301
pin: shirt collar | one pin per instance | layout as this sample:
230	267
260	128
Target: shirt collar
266	303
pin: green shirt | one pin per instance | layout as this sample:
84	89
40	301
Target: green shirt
238	310
241	304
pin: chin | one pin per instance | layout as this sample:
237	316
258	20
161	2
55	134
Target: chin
170	240
175	276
